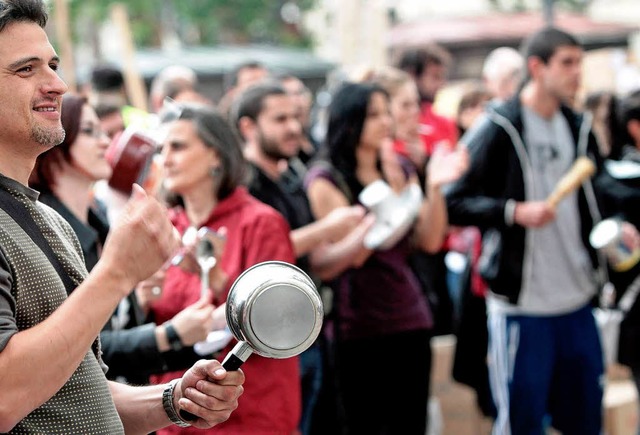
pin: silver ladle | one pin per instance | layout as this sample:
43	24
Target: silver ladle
205	257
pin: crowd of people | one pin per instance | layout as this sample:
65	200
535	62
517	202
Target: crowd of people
100	287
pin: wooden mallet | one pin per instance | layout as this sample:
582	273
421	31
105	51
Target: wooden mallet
582	169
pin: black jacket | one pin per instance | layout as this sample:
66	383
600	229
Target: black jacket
500	175
621	196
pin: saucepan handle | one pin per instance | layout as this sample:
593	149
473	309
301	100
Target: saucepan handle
187	416
231	363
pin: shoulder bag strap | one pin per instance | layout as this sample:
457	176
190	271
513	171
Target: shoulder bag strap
17	210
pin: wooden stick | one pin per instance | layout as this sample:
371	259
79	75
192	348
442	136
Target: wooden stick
134	84
63	33
582	169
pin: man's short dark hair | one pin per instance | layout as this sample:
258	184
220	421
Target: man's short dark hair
251	101
12	11
416	60
544	43
231	78
106	78
105	109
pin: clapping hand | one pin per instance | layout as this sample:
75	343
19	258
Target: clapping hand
447	165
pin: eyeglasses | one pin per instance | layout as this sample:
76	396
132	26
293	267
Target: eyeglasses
94	132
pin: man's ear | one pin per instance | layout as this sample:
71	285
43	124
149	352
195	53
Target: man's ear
246	127
534	66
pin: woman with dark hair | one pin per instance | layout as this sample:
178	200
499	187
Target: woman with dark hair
380	310
603	107
203	172
447	160
64	175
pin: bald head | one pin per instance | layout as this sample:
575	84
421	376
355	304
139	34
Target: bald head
170	82
502	72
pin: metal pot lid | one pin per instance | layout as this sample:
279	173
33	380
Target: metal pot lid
275	307
282	317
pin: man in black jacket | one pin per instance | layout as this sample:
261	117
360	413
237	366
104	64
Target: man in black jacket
267	119
544	349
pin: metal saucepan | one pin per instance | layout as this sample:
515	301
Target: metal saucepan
274	310
607	237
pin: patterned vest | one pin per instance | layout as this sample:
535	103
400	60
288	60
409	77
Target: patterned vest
84	404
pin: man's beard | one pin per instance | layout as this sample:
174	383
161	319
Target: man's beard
48	137
270	149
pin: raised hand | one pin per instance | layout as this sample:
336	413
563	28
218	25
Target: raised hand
447	165
141	241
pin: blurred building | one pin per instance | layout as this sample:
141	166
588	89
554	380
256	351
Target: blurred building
350	32
212	63
470	38
355	32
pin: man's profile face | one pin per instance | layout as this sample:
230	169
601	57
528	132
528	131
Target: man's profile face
433	77
561	75
30	88
301	97
278	128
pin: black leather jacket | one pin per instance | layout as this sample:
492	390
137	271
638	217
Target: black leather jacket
500	175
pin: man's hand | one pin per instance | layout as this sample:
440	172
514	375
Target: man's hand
209	392
533	214
141	241
446	165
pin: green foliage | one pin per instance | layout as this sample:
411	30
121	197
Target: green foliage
574	5
521	5
199	21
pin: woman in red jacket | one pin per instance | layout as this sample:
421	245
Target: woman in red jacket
203	171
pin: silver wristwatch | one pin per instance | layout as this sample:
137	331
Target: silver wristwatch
167	404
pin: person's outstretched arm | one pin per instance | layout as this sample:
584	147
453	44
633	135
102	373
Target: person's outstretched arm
37	362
